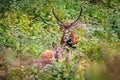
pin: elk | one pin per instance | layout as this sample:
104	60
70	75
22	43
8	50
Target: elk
48	55
69	37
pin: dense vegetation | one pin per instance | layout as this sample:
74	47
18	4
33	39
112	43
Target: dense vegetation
28	27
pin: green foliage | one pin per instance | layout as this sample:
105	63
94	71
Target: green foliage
60	71
28	26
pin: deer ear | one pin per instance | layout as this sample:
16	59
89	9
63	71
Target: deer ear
54	45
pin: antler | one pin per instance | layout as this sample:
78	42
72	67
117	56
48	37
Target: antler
74	22
62	23
56	16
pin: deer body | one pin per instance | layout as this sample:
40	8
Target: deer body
47	56
73	37
70	39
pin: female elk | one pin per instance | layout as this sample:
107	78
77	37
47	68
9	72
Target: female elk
48	55
68	37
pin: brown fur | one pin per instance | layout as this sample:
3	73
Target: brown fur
71	39
47	56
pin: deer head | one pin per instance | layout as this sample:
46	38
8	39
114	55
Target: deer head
58	50
68	37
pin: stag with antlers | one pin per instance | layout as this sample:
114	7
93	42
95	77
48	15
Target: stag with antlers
69	37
